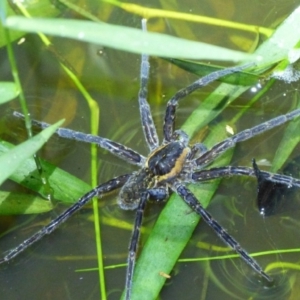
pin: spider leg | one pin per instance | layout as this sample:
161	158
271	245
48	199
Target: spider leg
228	143
227	171
159	194
99	191
134	244
192	202
197	150
173	102
115	148
145	112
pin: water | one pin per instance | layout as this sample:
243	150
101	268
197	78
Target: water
47	270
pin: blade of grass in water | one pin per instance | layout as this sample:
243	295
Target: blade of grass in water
291	137
148	13
16	204
11	160
66	187
8	91
125	38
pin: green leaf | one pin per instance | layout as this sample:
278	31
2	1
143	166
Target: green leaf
11	160
8	91
16	204
66	187
125	38
290	137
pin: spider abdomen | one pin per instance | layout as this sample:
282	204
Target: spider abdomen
167	161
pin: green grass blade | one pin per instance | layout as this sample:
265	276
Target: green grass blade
11	160
291	138
19	204
70	187
8	91
149	13
125	38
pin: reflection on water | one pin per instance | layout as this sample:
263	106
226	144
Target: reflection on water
48	270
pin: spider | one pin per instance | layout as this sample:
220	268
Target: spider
170	165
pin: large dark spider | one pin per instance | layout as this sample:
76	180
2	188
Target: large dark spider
169	166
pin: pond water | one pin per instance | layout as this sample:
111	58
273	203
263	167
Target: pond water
54	267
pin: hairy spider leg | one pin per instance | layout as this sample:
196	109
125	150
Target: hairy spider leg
214	173
244	135
134	244
145	111
277	178
115	148
169	121
99	191
193	203
159	194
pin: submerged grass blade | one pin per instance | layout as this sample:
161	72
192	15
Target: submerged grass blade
291	138
19	204
11	160
146	12
66	187
8	91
